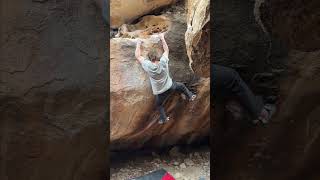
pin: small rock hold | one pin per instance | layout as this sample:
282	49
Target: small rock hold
183	166
189	162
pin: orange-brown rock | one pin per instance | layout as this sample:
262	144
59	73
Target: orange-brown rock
147	26
124	11
197	36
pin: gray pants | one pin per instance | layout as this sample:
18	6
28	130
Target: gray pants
160	98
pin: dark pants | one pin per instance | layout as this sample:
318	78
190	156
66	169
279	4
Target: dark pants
226	82
160	98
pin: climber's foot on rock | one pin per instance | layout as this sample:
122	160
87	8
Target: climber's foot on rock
162	121
168	118
193	97
266	114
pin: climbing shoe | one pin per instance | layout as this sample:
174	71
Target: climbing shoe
193	97
161	121
267	113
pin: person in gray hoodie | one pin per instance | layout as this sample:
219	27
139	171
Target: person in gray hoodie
157	67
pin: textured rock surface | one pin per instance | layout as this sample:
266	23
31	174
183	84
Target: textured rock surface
133	113
147	26
52	91
286	148
240	41
198	36
123	11
296	22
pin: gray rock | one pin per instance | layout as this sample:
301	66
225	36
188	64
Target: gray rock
189	162
183	166
53	87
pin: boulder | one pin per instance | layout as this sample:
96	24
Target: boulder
286	148
197	36
53	92
123	11
240	42
295	22
133	116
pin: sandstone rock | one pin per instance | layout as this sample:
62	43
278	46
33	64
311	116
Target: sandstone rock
197	36
133	118
295	22
52	92
123	11
146	27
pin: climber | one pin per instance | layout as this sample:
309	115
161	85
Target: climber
226	82
156	66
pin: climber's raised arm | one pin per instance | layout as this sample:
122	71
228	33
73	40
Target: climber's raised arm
164	45
138	51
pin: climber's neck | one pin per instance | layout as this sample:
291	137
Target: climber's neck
155	62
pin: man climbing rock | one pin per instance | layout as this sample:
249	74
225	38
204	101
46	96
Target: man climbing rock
157	67
226	82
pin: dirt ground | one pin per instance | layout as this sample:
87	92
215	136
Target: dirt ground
183	163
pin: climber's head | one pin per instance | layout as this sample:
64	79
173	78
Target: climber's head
154	55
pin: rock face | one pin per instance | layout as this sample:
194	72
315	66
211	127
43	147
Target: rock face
145	28
123	11
198	36
240	41
288	147
52	91
134	118
295	22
